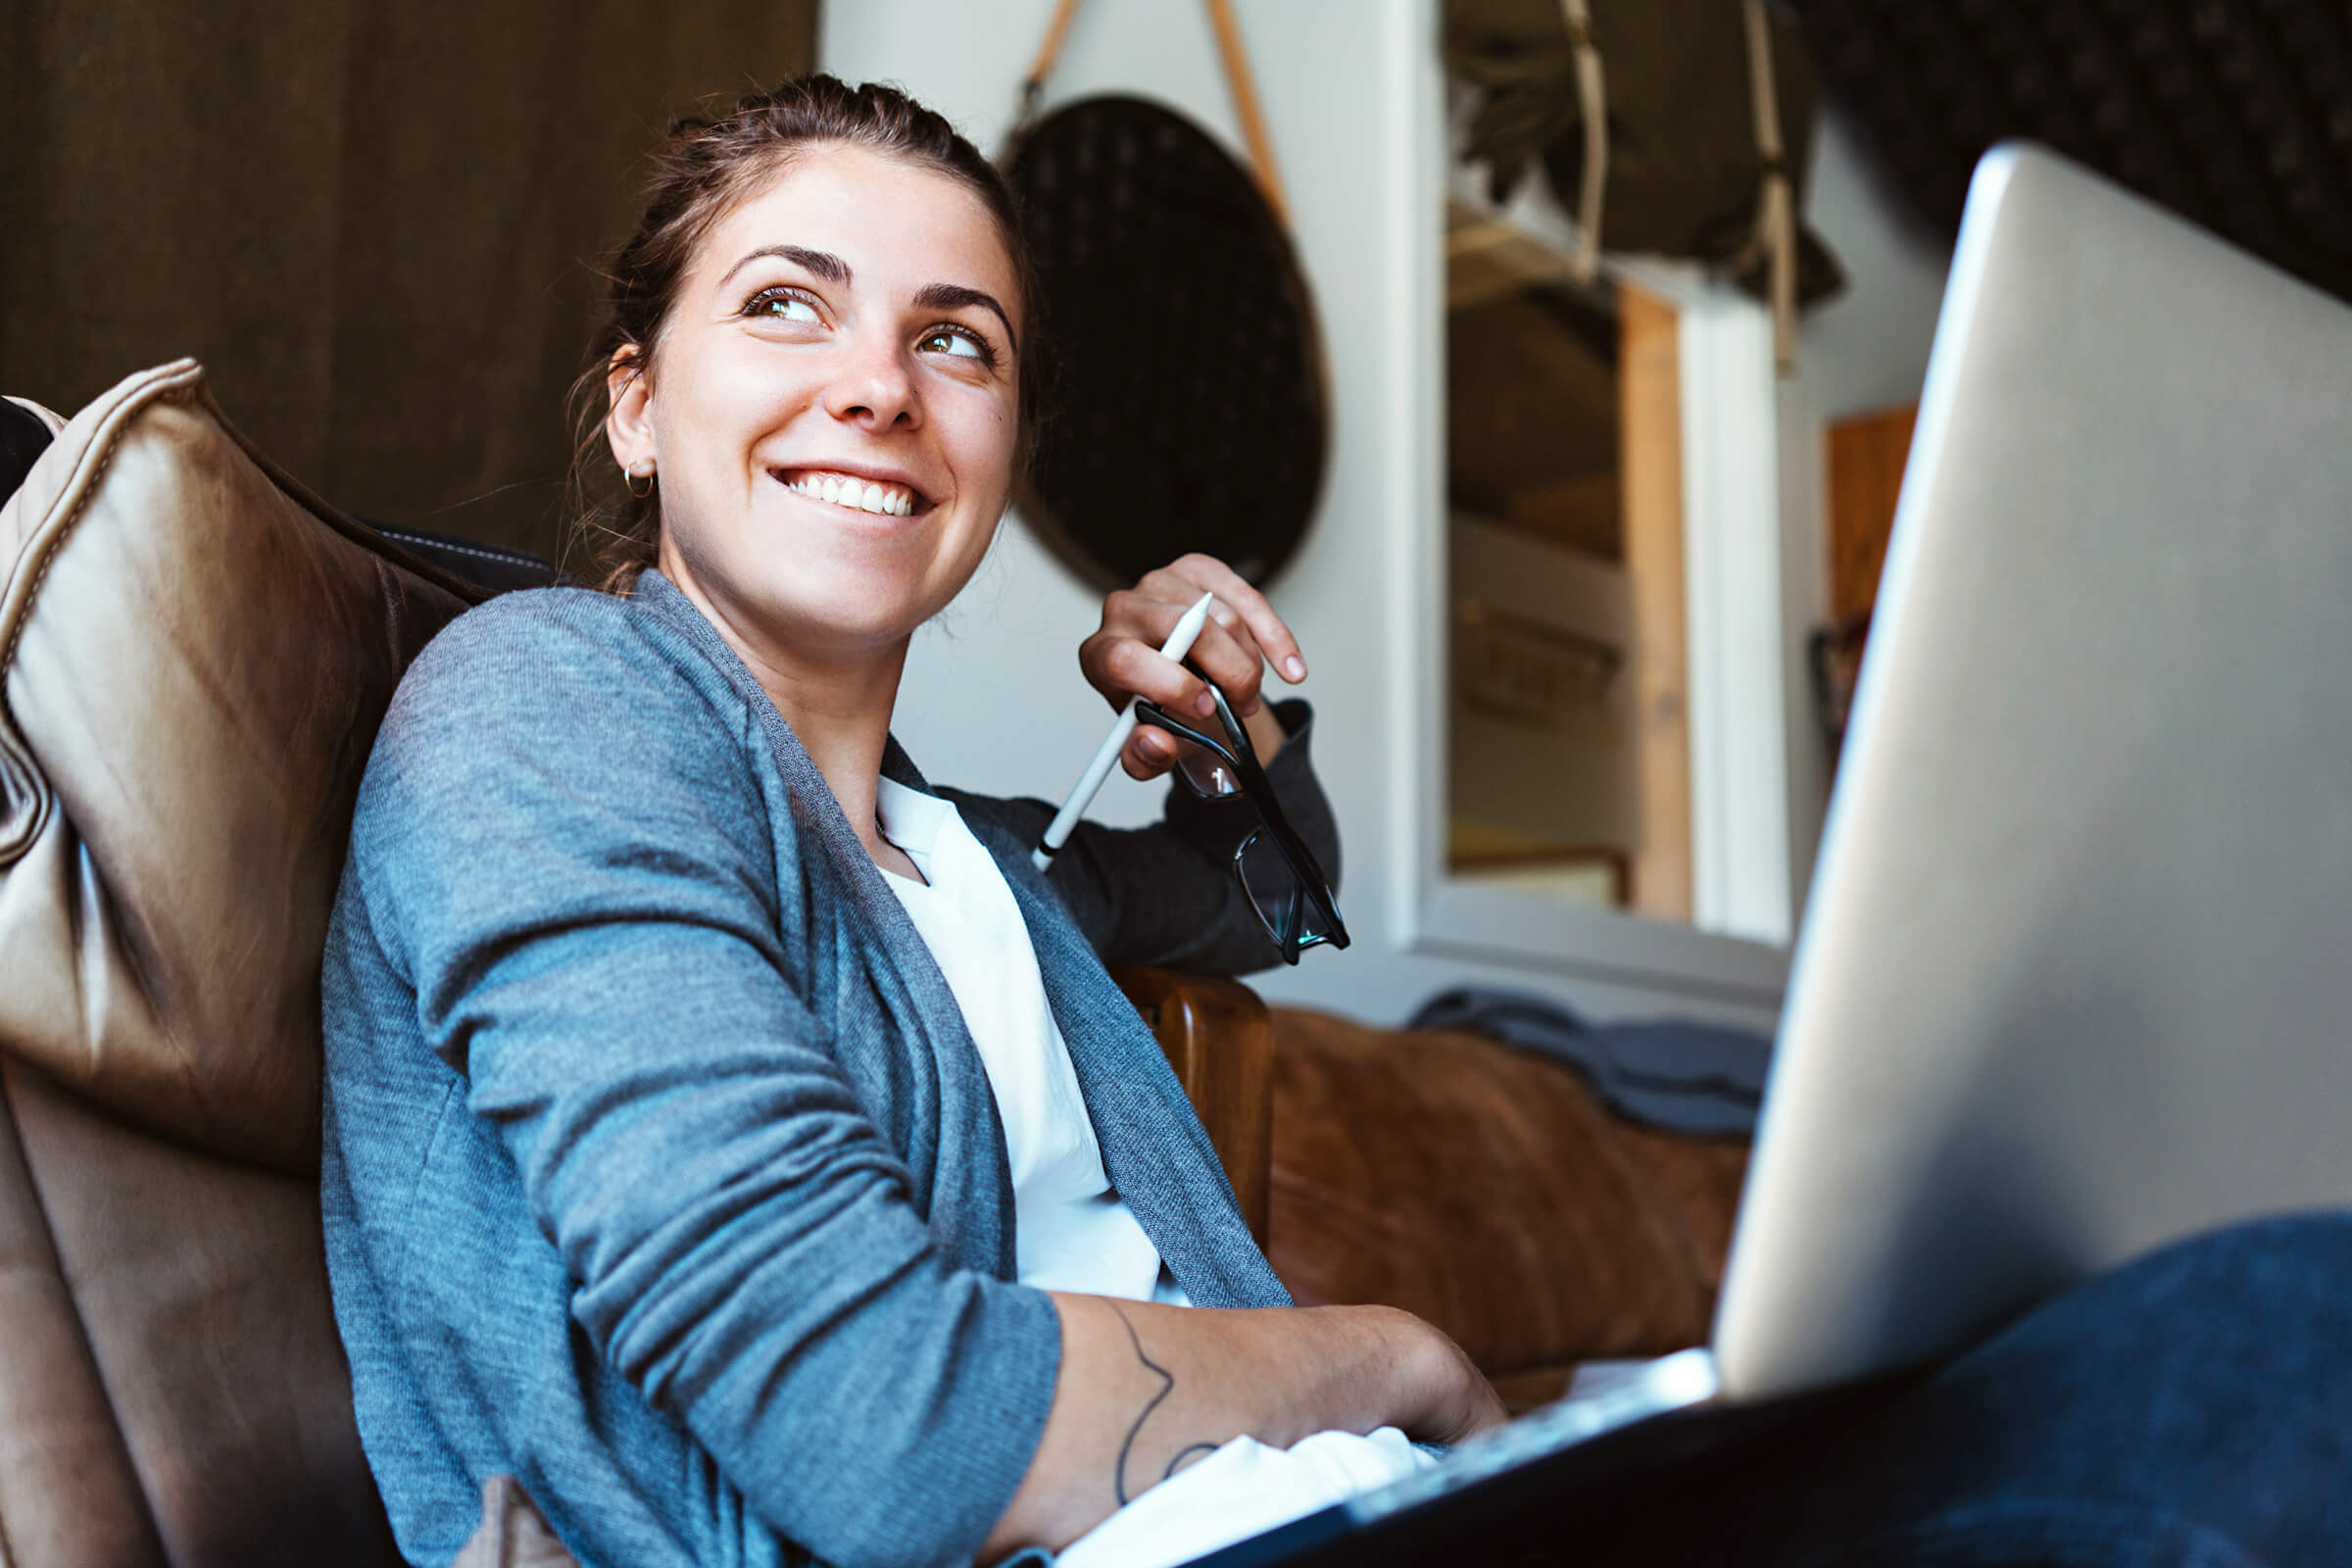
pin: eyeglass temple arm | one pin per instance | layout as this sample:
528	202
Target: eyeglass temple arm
1263	798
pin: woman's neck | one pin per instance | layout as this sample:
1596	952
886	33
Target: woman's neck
838	708
841	716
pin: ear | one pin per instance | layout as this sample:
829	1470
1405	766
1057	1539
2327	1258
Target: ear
628	410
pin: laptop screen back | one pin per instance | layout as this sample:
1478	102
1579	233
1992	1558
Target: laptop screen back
2076	976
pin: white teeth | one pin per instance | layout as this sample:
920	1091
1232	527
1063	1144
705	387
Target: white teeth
890	501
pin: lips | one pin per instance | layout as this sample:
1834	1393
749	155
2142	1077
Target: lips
859	493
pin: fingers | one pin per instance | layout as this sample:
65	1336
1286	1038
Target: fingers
1123	660
1148	753
1229	656
1243	612
1243	636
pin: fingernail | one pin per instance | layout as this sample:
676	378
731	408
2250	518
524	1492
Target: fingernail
1248	707
1204	704
1294	668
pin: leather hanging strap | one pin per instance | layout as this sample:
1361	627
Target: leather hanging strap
1033	85
1776	200
1591	96
1237	82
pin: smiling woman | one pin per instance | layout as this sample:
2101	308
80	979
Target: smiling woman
829	419
705	176
727	1134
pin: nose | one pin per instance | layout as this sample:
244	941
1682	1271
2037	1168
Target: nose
874	388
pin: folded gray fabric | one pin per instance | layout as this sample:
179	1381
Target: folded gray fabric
1672	1074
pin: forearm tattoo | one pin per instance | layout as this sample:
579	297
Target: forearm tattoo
1196	1451
1167	1386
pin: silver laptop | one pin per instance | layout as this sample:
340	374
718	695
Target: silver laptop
2076	976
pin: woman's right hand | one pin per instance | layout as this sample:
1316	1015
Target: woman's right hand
1145	1390
1446	1398
1243	637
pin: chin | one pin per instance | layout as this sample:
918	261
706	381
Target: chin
829	596
844	612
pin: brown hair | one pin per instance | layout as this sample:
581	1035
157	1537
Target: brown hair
700	172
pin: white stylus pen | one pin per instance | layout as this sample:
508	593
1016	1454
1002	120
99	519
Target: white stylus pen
1090	782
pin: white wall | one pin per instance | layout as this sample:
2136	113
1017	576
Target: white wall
993	700
1867	347
1863	349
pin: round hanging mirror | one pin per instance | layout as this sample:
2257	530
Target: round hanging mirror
1190	410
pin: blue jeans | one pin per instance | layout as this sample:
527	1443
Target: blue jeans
2191	1408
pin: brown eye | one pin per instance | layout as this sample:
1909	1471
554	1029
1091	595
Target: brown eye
777	305
956	343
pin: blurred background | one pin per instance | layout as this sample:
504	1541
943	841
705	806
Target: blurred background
1608	318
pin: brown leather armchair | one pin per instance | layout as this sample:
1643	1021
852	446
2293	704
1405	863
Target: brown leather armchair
195	652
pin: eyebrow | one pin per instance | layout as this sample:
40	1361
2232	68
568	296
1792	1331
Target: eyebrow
833	269
820	263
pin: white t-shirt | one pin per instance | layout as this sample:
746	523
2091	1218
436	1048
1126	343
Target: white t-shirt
1072	1232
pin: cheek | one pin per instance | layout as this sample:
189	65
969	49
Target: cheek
982	438
735	394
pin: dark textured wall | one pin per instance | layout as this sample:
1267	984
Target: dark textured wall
377	223
2235	114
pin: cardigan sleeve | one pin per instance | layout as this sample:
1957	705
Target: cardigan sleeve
569	861
1165	895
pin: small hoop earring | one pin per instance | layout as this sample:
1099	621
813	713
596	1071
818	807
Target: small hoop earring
630	478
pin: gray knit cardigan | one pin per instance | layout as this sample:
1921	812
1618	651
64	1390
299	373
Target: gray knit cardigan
661	1171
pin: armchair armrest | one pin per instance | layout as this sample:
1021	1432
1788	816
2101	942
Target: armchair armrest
1218	1036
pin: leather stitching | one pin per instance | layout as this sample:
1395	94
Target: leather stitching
54	538
418	541
49	539
8	655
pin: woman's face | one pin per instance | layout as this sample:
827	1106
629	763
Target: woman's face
832	405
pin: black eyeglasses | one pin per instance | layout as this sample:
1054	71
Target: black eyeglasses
1277	870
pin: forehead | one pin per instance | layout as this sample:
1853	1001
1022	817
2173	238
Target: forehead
898	226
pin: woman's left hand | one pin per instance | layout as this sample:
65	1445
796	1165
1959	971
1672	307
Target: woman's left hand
1122	658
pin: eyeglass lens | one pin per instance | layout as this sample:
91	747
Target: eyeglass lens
1274	891
1204	773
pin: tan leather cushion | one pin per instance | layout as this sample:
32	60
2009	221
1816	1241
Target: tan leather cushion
171	1388
195	656
194	653
1487	1191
